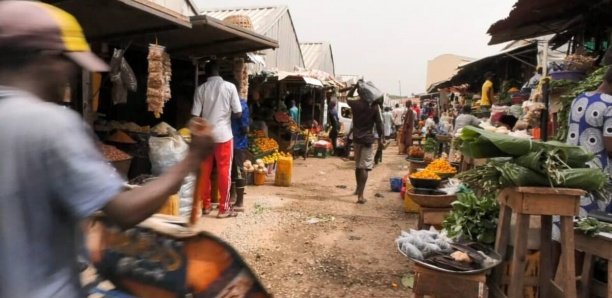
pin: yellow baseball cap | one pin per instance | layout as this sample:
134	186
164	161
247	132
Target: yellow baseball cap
32	25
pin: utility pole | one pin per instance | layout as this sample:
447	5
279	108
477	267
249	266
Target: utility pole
400	88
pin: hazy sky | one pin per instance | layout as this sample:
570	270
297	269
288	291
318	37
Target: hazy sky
389	41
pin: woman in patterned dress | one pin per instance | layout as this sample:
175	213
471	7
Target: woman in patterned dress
590	127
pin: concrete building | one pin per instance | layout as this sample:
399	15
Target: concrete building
318	56
443	67
274	22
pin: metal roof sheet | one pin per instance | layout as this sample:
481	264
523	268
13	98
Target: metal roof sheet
263	18
312	52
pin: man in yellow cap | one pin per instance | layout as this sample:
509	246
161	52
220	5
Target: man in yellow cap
51	174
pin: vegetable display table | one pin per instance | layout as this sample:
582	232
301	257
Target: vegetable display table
544	201
600	246
431	217
442	284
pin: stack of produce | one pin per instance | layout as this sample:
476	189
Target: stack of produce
121	138
260	167
287	122
112	154
257	134
276	156
526	163
241	75
578	62
441	166
425	175
263	146
416	152
158	82
473	218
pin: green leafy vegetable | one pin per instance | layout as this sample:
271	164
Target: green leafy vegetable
569	92
473	218
591	226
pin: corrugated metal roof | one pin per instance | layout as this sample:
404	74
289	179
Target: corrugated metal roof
312	52
263	18
315	55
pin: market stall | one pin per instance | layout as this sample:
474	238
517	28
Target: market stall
521	177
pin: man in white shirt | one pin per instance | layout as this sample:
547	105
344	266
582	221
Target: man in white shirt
217	101
398	116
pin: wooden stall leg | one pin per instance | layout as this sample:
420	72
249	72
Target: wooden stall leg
501	243
609	278
585	278
517	267
546	270
567	254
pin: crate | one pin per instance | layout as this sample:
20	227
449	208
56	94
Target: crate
321	152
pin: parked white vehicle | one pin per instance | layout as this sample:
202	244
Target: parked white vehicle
345	117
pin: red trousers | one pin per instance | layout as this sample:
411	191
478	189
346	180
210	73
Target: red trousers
223	156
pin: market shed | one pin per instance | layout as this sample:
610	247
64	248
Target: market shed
319	56
530	19
275	23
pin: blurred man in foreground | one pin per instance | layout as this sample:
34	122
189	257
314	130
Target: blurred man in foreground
52	176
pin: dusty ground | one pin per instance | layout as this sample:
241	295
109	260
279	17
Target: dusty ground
349	252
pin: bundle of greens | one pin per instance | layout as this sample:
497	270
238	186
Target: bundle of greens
591	226
478	143
529	163
473	218
571	90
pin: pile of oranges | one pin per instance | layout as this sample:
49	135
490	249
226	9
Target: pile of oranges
442	166
425	174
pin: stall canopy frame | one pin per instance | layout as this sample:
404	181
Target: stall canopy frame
143	22
113	19
208	37
530	18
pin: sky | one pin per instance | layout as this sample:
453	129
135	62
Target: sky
390	41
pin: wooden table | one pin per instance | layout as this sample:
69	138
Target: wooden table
431	217
600	246
448	285
546	202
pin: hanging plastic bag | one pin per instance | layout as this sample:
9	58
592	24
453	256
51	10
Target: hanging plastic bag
122	76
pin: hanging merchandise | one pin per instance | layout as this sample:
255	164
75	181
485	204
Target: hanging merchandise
241	75
122	76
158	83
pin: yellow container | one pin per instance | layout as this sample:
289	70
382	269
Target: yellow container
171	207
409	205
260	178
284	170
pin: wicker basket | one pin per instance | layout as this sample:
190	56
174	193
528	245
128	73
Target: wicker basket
240	21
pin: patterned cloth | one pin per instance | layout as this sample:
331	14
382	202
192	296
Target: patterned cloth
590	120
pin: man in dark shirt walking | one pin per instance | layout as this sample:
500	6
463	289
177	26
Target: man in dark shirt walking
366	116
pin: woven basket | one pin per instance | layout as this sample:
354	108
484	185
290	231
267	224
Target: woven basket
240	21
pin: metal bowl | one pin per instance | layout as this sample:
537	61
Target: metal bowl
491	253
425	183
431	198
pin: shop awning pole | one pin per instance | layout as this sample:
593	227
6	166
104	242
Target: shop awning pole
197	74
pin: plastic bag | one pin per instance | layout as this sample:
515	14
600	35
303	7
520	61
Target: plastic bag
166	152
186	195
122	76
369	92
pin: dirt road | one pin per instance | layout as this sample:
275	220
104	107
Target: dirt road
313	240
